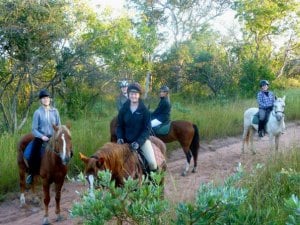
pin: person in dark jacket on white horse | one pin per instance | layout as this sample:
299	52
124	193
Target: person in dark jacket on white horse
265	100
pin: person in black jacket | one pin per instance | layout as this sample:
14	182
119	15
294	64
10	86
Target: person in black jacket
162	113
134	125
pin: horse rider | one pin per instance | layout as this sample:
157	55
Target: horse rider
265	100
123	96
162	112
134	125
43	119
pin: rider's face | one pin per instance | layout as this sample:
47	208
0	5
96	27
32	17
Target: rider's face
265	87
163	94
124	90
45	101
134	97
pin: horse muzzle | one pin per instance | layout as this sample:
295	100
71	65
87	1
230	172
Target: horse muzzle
279	116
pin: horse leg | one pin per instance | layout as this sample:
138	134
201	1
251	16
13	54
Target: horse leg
271	141
251	131
245	138
58	187
22	185
188	155
277	142
46	191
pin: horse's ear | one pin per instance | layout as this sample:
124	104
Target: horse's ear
100	162
83	158
55	127
275	97
283	98
68	125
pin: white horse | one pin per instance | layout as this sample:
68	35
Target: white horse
274	127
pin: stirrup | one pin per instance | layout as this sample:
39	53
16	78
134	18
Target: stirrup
29	179
26	162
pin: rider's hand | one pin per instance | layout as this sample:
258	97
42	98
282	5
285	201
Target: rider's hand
134	146
120	141
45	138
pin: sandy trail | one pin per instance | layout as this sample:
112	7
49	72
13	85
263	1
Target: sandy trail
216	160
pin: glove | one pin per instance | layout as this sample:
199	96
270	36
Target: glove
120	141
134	146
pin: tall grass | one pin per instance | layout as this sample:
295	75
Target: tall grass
269	186
215	119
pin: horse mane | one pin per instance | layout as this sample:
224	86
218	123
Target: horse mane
57	131
117	158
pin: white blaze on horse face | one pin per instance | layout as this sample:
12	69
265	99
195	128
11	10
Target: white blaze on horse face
64	145
91	182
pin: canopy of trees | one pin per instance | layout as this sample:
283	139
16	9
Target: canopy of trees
76	50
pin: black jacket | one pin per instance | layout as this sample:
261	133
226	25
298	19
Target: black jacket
162	112
133	126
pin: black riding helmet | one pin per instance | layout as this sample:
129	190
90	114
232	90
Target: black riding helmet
44	93
263	83
134	87
164	88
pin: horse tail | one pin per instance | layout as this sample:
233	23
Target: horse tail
195	143
247	138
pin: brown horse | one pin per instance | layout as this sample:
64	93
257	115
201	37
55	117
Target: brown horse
120	161
185	132
53	169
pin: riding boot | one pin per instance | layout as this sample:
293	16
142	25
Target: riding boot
260	128
34	161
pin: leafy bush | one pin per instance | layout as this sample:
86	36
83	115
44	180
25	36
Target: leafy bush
293	207
214	204
134	203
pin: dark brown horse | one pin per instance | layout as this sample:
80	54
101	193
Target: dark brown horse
53	166
185	132
120	161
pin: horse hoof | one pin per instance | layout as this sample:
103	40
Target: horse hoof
59	218
46	221
194	170
183	174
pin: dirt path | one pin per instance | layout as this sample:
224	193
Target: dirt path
216	161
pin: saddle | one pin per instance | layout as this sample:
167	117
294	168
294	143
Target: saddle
162	129
255	118
28	150
159	157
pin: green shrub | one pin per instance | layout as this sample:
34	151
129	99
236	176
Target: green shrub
134	203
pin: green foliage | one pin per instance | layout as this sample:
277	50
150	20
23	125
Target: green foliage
268	188
293	207
214	204
253	72
134	203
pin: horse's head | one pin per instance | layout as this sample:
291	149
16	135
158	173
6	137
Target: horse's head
278	108
61	143
118	159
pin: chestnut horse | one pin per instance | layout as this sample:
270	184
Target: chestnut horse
185	132
54	166
120	161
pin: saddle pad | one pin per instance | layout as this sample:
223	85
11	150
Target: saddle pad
28	150
159	157
162	129
255	119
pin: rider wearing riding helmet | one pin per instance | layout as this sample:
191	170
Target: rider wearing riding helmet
162	113
123	96
42	129
134	123
265	100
